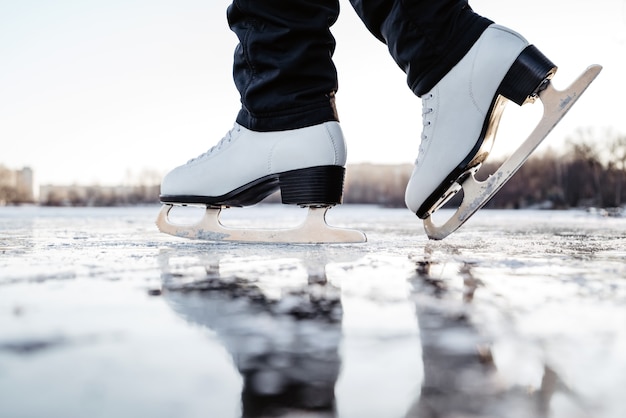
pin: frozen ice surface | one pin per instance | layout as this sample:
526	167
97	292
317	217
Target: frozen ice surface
518	314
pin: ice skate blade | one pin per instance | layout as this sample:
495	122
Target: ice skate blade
556	104
314	230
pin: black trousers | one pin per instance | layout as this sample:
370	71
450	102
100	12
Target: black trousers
283	65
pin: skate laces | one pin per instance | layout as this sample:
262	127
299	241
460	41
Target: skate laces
426	121
426	111
225	140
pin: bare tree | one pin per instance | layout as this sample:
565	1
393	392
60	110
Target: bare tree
618	159
585	164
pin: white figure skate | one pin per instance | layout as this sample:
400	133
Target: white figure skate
477	193
306	165
461	116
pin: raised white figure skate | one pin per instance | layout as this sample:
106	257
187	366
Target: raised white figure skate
306	165
461	116
477	193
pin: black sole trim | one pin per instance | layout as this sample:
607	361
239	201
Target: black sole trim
321	185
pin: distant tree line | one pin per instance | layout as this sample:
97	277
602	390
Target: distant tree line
10	194
589	172
97	196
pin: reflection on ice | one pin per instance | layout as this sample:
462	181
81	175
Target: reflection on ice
461	376
285	347
520	314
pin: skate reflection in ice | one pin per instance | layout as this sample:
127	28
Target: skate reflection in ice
460	375
284	343
280	319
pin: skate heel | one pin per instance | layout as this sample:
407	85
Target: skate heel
527	77
321	185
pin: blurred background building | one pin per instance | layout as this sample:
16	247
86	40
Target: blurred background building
17	186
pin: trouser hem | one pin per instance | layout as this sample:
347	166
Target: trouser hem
292	119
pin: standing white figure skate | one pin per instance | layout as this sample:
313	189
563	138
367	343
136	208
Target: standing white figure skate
461	116
306	165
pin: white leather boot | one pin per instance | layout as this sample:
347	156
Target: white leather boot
306	164
461	113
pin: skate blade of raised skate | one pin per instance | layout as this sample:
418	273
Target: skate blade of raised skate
314	230
556	104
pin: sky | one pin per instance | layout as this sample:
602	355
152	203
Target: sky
105	91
